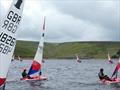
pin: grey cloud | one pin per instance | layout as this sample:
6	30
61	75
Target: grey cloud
92	10
72	20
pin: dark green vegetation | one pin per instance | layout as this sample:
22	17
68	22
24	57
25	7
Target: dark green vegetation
27	49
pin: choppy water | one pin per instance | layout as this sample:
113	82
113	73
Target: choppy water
62	75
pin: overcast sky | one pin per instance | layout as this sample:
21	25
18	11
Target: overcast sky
69	20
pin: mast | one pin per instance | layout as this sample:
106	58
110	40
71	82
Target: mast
8	33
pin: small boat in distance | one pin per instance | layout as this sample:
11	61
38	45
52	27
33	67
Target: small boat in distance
20	59
78	59
37	61
13	58
109	59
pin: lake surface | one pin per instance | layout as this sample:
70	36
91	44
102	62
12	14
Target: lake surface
62	75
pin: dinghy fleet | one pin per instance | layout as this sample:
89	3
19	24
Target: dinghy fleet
8	35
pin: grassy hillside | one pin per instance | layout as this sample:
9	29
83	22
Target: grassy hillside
27	49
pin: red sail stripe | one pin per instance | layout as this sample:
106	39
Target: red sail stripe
36	65
117	67
2	81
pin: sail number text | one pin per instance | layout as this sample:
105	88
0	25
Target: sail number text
6	43
13	19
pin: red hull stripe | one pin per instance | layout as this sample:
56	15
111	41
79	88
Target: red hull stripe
2	81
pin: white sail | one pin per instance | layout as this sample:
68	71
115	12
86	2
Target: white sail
109	57
19	59
37	62
77	58
119	60
39	54
8	32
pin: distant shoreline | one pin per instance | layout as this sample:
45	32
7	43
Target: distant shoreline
67	50
68	59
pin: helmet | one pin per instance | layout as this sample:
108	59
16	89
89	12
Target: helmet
101	69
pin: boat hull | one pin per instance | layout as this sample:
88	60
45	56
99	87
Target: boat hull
116	81
110	61
78	61
34	78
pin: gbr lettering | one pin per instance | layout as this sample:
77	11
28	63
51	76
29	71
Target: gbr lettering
10	24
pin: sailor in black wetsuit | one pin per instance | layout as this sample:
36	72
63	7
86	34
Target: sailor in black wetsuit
102	76
40	73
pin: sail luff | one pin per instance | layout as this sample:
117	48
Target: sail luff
8	34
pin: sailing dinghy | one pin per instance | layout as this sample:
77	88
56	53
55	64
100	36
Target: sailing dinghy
13	57
37	62
8	33
78	59
109	59
19	58
116	80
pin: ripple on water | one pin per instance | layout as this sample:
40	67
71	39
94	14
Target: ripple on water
62	75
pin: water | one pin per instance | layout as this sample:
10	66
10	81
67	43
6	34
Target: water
62	75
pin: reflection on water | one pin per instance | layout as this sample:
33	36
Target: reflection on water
62	75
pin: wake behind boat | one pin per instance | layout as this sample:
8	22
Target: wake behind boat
37	62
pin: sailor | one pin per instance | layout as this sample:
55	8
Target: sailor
40	73
25	75
102	76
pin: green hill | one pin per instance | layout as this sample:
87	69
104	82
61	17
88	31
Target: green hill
27	49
